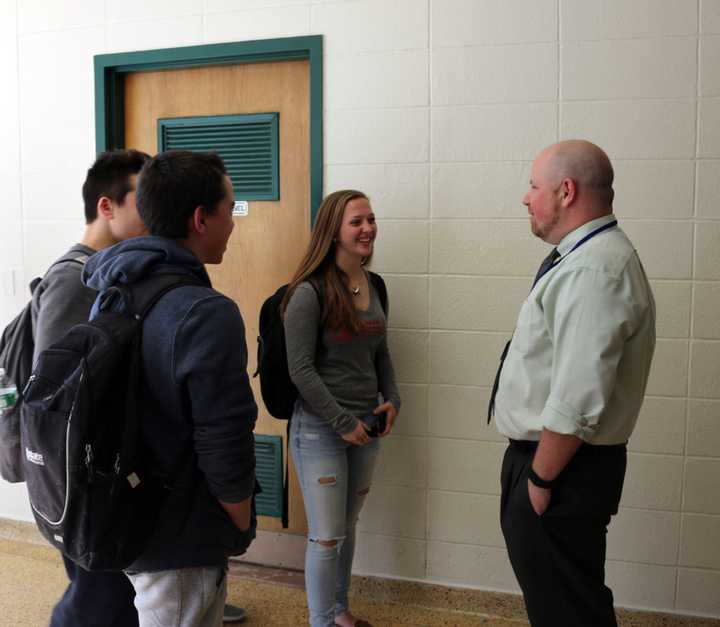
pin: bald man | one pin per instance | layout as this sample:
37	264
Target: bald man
569	389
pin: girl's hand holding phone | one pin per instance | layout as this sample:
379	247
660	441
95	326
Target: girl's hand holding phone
390	415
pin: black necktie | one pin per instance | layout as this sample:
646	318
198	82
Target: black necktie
546	264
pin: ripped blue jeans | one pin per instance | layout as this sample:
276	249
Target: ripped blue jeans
335	478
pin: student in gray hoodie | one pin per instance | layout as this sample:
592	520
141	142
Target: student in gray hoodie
196	394
60	301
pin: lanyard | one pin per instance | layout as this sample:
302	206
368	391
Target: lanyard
589	236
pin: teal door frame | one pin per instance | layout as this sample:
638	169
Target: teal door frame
110	70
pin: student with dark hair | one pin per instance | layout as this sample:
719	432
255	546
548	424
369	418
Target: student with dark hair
174	184
335	329
61	301
198	410
113	176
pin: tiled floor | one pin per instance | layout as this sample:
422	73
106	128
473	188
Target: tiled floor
32	579
280	598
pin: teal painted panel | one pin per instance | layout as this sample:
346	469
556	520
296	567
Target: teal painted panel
247	143
269	473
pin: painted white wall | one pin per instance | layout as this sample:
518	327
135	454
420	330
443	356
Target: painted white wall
436	108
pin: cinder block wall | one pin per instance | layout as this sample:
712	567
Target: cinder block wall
436	108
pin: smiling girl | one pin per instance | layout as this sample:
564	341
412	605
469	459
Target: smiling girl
335	328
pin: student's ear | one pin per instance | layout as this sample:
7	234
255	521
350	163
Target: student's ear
197	220
105	208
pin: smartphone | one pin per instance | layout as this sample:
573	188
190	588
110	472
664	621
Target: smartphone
375	423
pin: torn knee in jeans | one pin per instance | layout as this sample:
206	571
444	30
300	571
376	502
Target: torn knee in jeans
328	480
326	542
363	492
329	547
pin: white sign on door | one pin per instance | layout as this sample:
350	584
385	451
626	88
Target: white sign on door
240	208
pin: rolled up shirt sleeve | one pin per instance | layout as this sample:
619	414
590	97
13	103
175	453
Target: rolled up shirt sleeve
589	315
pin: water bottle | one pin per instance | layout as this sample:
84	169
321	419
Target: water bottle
8	392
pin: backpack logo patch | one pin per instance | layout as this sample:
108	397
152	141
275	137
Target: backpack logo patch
34	458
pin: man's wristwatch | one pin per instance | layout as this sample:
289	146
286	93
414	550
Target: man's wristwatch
539	481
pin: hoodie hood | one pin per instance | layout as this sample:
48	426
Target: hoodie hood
140	257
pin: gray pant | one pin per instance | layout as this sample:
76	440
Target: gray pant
187	597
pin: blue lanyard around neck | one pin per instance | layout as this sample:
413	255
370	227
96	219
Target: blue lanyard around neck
589	236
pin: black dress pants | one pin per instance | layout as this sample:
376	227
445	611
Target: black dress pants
559	557
97	599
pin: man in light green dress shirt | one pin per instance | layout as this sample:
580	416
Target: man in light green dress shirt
570	389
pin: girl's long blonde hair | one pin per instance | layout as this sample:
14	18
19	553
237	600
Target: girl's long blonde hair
318	264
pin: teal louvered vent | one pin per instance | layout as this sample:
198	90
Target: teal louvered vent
269	473
247	143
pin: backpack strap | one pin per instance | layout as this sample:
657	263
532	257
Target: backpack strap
142	296
139	300
72	257
379	285
75	257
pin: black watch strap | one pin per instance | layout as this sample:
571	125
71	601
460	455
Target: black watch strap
539	481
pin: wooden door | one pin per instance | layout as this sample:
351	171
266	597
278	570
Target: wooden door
266	245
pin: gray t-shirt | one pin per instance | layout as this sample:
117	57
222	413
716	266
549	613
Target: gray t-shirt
60	300
340	377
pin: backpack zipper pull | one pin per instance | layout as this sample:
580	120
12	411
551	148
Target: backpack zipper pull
89	461
31	378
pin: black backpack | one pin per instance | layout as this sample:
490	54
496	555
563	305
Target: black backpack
91	493
16	352
278	391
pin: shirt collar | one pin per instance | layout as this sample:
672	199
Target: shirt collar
566	243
